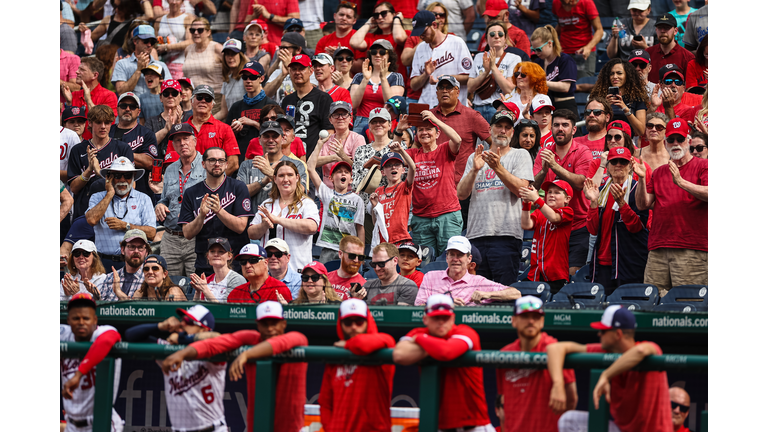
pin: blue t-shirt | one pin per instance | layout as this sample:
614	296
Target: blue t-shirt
681	19
562	69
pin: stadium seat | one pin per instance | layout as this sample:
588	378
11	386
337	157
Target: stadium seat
316	251
523	273
473	39
437	265
332	265
536	289
367	250
635	296
525	254
688	295
581	275
183	283
428	253
527	235
370	274
677	307
578	295
581	102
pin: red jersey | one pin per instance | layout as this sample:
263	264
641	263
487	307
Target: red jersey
434	193
356	397
214	133
291	391
370	38
268	291
411	42
339	94
280	8
416	277
99	96
462	395
470	126
396	201
341	285
576	161
547	140
255	148
527	391
682	429
334	41
575	24
678	216
682	110
639	400
407	7
549	249
596	147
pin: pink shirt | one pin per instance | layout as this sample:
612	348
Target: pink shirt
438	282
68	64
353	141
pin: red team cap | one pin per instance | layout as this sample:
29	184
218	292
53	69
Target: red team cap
494	7
619	153
340	164
172	84
562	184
678	126
353	307
81	299
509	106
621	125
439	305
301	59
170	157
198	315
269	309
318	267
615	317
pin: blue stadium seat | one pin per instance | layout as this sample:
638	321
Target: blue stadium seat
525	254
579	295
536	289
183	283
688	295
316	251
473	39
581	275
370	274
428	253
635	296
332	265
581	103
437	265
523	273
679	307
527	235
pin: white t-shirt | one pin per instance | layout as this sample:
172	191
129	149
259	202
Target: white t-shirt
341	214
67	139
222	289
311	12
455	16
97	280
507	67
452	58
300	245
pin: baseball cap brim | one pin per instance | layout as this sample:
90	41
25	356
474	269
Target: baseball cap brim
418	31
645	60
599	326
440	312
183	312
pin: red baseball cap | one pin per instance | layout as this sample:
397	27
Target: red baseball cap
172	84
494	7
621	125
81	299
318	267
619	153
510	106
677	126
340	164
562	184
170	157
301	59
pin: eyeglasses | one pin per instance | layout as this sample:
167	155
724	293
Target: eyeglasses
170	93
381	264
314	278
357	321
676	139
251	260
352	256
617	161
445	88
640	65
380	52
128	106
531	123
616	137
658	127
538	50
197	30
205	98
382	14
276	254
79	252
439	15
345	58
131	247
683	408
147	269
340	116
519	74
216	161
496	34
699	148
122	176
249	77
595	112
675	81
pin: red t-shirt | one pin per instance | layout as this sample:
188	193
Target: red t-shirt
416	277
339	94
639	400
215	133
685	112
99	96
268	291
678	55
596	146
576	161
411	42
255	148
334	41
680	219
280	8
470	125
462	395
407	7
396	201
575	25
434	193
547	140
341	285
270	48
527	391
370	38
694	75
549	250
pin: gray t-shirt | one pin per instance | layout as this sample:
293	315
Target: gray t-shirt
697	27
648	33
493	209
402	290
247	173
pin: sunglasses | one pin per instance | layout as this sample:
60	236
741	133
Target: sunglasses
216	161
538	50
345	58
683	408
78	253
151	268
698	148
678	139
675	81
616	137
128	106
622	162
496	34
640	65
249	77
122	176
519	74
445	88
170	93
251	260
439	15
595	112
353	257
205	98
658	127
314	278
438	307
527	122
380	52
276	254
381	264
295	29
357	321
349	5
382	14
197	30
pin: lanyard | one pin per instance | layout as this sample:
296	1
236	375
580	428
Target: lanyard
181	184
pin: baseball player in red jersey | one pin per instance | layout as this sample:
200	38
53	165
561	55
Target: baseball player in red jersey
526	391
462	396
356	397
194	393
270	339
78	377
639	400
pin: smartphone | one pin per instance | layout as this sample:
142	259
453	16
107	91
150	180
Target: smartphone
613	90
355	287
638	38
157	170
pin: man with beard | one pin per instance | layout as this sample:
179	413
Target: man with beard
492	180
118	209
352	255
678	194
210	132
219	206
667	50
121	284
597	115
568	161
141	139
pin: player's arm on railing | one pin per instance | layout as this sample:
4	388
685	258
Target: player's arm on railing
627	361
407	352
364	344
267	348
556	353
442	349
96	353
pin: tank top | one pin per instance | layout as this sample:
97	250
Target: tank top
119	37
203	68
175	27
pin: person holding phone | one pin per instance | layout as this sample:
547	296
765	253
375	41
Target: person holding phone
622	86
640	31
347	281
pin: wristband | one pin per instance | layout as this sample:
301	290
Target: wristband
271	17
540	202
82	177
398	133
526	206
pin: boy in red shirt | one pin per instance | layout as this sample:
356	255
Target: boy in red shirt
357	397
410	258
462	395
528	390
551	225
395	197
639	400
270	339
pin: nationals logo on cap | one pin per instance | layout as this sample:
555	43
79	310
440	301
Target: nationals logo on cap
620	150
75	110
676	124
178	126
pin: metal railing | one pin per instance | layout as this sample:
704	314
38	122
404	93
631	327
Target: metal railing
429	387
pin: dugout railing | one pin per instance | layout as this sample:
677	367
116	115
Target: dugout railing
266	375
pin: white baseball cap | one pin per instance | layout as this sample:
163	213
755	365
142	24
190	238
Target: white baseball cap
529	303
639	4
379	112
269	309
439	304
85	245
200	315
278	244
460	243
540	101
353	307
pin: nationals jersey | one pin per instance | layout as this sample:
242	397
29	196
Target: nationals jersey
194	394
549	250
452	57
300	245
67	139
80	407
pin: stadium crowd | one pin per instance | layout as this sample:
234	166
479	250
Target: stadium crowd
265	152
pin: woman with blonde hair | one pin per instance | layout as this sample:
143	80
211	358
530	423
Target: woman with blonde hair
157	285
495	63
232	89
315	286
529	80
86	272
217	286
203	60
559	69
288	214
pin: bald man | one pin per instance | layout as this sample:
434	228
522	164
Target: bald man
681	402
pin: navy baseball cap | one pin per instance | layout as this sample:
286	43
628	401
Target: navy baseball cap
181	129
639	54
221	241
152	259
198	315
421	21
391	156
476	256
252	249
253	67
398	103
342	49
615	317
72	112
290	22
670	68
286	118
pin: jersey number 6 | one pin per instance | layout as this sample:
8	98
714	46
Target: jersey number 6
207	394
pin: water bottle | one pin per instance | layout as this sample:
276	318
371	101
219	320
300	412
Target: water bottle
622	29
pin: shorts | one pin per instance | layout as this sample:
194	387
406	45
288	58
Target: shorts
578	247
577	421
670	267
